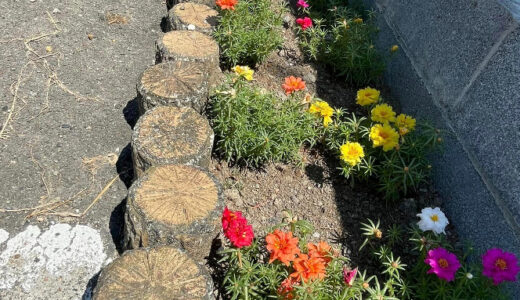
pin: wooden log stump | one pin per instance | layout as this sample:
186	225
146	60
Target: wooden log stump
192	16
175	83
187	45
154	274
209	3
174	204
171	135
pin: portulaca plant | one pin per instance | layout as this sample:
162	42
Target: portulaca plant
432	219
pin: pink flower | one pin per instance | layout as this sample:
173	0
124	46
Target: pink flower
500	265
349	276
304	22
302	4
443	263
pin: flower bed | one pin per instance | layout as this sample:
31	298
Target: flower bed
315	142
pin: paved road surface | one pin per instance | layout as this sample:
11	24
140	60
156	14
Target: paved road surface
73	66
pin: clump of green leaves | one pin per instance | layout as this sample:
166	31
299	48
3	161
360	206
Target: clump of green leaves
250	274
414	282
248	34
399	171
254	126
343	39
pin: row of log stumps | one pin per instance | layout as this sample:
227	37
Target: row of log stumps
174	204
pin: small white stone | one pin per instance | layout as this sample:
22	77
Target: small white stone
191	27
56	11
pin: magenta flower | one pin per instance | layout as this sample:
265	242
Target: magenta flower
302	4
349	276
304	22
500	265
443	263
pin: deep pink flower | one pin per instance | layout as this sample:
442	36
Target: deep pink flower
302	4
500	265
349	276
240	233
304	22
443	263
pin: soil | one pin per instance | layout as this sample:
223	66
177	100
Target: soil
316	192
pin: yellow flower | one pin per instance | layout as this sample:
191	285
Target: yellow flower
394	48
383	113
244	71
358	20
322	109
367	96
351	153
405	124
384	135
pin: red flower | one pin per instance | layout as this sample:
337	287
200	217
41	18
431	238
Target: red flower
304	22
228	216
293	84
226	4
240	233
285	291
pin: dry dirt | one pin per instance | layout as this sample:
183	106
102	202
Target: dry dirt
316	192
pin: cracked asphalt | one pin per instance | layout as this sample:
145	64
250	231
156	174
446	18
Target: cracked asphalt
68	71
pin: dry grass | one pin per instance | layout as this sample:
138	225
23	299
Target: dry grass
113	18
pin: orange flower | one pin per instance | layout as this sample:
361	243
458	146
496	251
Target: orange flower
226	4
308	268
285	291
282	246
293	84
322	250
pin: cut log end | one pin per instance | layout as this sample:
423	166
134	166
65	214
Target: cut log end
192	16
170	135
176	83
209	3
156	273
174	204
176	195
187	45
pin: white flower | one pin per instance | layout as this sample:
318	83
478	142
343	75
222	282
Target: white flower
469	275
432	219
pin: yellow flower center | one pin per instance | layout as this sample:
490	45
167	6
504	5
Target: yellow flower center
501	264
384	135
434	218
443	263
